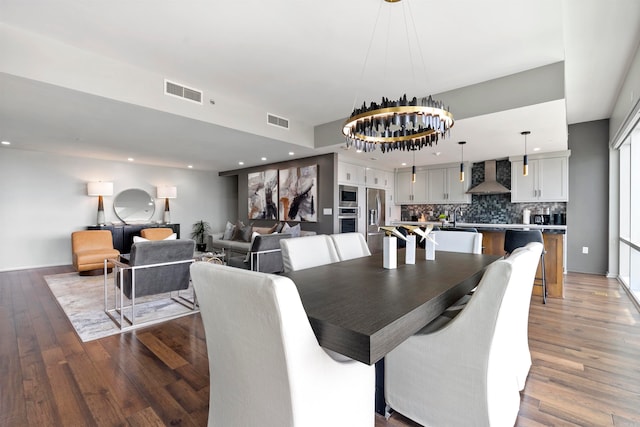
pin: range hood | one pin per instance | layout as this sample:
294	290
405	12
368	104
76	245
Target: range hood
490	185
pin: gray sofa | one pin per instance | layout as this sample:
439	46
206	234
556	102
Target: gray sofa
215	243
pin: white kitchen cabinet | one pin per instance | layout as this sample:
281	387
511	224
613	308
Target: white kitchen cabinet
547	181
408	192
351	174
377	178
444	185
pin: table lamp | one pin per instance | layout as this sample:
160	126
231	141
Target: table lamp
167	192
100	189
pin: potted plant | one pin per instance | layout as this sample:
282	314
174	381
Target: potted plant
198	232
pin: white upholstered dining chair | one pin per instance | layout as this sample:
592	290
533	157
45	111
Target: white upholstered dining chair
265	364
520	325
309	251
350	245
458	241
464	373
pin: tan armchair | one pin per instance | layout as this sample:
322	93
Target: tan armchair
155	233
89	249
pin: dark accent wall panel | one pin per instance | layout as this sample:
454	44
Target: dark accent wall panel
588	207
327	175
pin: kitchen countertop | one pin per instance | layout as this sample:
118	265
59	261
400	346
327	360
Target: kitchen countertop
486	226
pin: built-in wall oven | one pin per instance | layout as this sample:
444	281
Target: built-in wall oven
348	219
348	210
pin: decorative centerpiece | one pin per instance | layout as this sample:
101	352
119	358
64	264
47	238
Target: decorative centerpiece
199	231
429	244
410	251
390	246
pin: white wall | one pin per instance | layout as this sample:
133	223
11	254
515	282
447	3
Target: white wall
43	198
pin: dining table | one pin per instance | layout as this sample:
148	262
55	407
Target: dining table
362	310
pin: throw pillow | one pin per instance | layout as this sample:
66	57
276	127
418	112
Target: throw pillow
243	234
280	226
136	239
237	231
294	231
228	231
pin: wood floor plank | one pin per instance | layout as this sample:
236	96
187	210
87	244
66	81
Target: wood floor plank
69	400
585	352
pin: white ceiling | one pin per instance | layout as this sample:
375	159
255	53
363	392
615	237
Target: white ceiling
307	61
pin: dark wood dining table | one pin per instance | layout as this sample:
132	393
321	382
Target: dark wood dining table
362	310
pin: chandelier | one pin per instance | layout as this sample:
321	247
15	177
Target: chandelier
403	124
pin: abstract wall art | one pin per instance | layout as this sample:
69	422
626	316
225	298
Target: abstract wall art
298	194
263	194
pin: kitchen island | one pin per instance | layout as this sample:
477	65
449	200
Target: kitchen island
493	244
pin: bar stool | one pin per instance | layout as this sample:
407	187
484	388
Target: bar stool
514	239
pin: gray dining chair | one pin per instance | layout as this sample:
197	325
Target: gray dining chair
265	365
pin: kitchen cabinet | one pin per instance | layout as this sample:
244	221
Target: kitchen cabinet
408	192
377	178
444	185
493	244
547	181
351	174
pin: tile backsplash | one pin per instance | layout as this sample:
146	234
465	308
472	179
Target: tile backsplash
488	209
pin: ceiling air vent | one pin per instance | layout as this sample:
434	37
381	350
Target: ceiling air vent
180	91
277	121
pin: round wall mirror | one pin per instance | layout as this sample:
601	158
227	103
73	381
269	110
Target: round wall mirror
134	206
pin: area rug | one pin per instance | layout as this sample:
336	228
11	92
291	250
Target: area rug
82	299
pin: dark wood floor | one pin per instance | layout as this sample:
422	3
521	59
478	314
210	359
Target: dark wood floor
585	348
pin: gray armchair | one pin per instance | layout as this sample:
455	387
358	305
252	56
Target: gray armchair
265	254
153	267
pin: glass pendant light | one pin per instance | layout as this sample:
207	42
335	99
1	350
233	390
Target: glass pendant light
461	143
525	163
413	168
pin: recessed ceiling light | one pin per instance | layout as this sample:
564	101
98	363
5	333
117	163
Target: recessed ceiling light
5	143
291	153
263	158
536	149
436	153
131	159
190	166
241	163
403	164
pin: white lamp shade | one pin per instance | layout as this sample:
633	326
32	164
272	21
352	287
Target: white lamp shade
100	188
167	192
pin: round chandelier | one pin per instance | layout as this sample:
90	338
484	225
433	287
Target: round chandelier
398	125
404	124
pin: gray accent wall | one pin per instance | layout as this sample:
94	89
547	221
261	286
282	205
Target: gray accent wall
588	206
327	178
43	199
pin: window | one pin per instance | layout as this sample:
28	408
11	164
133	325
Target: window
629	236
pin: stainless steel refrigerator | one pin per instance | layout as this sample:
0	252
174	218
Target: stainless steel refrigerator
375	218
